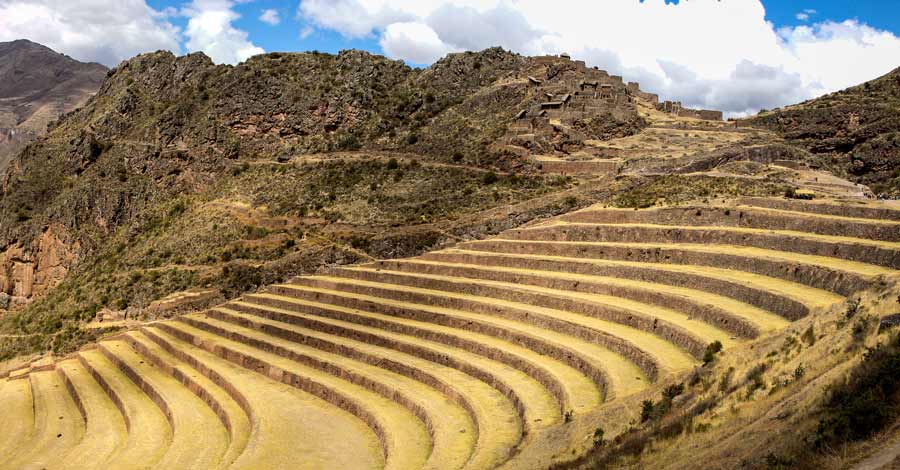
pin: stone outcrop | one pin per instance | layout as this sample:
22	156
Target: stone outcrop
27	274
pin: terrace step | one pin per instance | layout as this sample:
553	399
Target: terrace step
736	317
230	413
599	363
859	250
495	418
671	325
289	428
570	386
789	274
631	342
58	426
149	433
537	405
852	209
105	431
745	287
17	409
198	437
452	430
823	272
746	216
404	438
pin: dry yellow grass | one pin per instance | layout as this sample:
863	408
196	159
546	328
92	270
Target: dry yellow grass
236	420
667	355
149	434
18	417
290	428
623	375
580	392
539	405
198	437
453	432
495	428
105	430
703	330
791	233
57	423
808	295
762	319
406	440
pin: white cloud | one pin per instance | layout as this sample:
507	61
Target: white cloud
415	42
270	16
805	14
707	53
89	30
210	30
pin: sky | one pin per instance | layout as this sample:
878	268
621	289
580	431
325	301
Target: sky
738	56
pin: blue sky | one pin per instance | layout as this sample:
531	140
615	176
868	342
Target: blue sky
735	55
286	35
881	14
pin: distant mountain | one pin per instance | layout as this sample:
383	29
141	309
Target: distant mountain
37	85
857	130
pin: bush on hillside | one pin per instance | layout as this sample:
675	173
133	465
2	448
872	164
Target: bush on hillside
866	402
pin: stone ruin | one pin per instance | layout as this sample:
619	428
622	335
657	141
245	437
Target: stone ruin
561	94
675	108
570	91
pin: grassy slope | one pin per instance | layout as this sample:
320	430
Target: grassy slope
763	405
174	177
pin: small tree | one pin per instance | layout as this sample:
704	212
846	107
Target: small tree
598	436
646	410
711	350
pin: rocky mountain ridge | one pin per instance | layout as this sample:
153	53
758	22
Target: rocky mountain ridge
36	86
854	130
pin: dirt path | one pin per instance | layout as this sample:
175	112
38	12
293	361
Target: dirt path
887	457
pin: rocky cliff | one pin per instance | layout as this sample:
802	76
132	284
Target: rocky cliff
857	129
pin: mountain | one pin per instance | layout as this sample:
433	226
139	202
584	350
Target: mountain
182	174
495	261
855	132
37	85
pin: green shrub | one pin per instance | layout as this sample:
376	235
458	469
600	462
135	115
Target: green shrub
711	350
489	178
238	169
598	436
755	377
865	402
792	193
863	327
809	336
646	410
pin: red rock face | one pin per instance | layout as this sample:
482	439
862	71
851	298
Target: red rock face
28	275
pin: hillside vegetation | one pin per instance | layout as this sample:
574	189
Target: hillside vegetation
181	174
338	261
855	131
